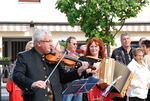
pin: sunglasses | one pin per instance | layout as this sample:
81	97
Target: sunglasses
75	44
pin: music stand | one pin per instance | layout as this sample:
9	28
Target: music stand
81	86
108	89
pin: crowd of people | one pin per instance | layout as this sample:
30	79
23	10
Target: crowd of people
39	79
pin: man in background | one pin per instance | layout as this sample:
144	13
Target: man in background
123	54
71	46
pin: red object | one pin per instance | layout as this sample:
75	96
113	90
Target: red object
94	93
14	91
80	51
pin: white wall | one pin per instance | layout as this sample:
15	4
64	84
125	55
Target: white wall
12	10
143	16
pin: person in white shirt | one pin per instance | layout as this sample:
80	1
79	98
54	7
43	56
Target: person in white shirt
138	89
146	45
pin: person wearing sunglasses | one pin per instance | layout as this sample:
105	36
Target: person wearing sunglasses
71	46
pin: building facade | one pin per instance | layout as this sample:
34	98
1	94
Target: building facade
19	17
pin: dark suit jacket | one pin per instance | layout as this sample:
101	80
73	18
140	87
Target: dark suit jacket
30	67
121	55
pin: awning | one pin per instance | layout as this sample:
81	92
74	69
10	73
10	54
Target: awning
14	27
140	28
65	28
58	28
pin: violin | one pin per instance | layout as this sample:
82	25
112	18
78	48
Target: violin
98	59
54	57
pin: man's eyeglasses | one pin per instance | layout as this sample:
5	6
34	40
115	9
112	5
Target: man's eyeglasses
46	41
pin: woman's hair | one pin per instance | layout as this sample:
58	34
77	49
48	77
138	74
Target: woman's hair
39	34
29	45
141	40
136	51
146	43
101	47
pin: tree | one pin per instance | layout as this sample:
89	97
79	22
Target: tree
99	18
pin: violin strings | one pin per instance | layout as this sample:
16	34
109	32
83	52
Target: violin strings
55	67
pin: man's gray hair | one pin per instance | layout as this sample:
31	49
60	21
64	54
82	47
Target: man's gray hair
39	34
124	34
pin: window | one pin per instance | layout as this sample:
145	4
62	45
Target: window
29	0
11	46
135	44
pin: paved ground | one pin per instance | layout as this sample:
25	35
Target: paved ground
4	93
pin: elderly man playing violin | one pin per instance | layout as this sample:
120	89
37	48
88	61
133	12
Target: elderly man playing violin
32	71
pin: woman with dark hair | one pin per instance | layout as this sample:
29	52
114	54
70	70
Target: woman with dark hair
95	51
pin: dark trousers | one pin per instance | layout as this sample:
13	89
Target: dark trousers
120	99
135	99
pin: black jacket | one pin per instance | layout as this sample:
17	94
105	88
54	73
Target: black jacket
121	55
31	67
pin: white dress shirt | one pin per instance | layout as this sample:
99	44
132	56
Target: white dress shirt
147	60
138	87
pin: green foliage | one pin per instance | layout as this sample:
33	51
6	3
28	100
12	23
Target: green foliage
4	59
62	44
97	18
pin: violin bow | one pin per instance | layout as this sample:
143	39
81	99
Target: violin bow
55	67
